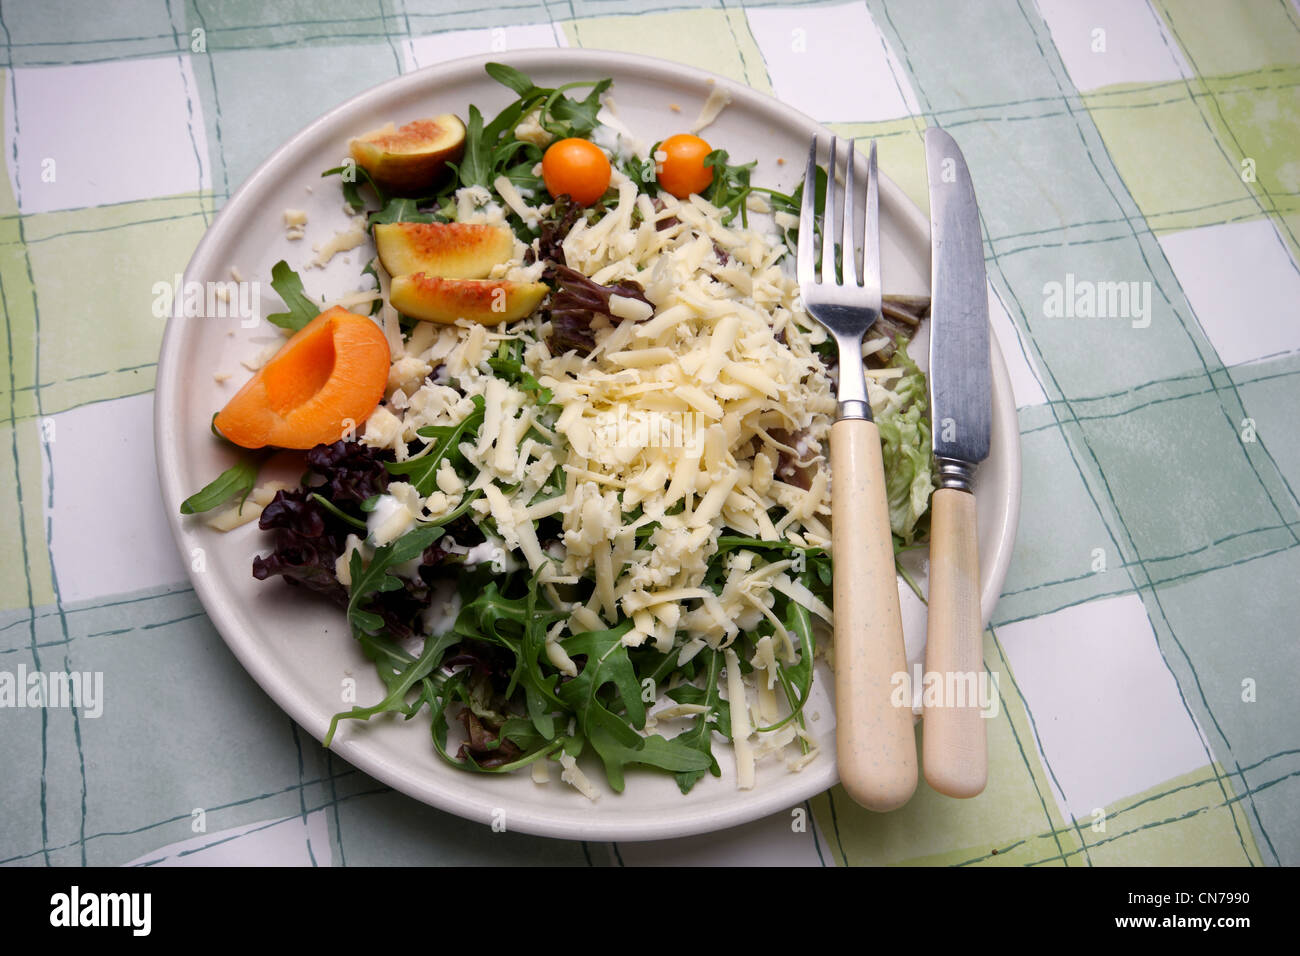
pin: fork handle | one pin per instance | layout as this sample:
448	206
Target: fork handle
953	742
875	740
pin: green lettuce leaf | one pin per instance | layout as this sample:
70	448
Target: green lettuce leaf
905	436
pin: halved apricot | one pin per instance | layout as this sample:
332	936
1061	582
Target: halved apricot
489	301
330	375
408	160
453	250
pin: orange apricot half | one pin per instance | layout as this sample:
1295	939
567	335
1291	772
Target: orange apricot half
328	377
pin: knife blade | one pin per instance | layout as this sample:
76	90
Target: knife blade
954	743
961	402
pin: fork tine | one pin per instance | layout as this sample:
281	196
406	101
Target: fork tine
805	270
848	241
830	219
871	235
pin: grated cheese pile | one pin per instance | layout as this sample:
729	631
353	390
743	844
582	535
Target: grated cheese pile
675	408
668	422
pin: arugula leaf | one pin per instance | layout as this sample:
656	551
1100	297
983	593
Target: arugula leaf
818	560
522	176
796	679
558	114
389	659
791	203
238	479
798	621
301	308
519	626
400	210
606	720
699	736
641	172
508	118
465	504
653	751
493	150
395	702
522	733
352	185
475	166
729	542
515	159
509	76
612	735
539	690
338	512
730	187
374	578
422	471
564	117
514	728
508	364
607	663
507	151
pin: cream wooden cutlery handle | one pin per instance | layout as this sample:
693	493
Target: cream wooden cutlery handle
953	743
875	740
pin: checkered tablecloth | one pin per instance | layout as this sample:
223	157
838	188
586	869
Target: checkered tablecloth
1146	641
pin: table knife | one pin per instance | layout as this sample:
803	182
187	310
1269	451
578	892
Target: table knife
954	747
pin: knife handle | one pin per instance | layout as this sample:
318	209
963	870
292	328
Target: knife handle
875	739
954	749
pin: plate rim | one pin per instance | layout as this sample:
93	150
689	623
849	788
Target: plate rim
353	749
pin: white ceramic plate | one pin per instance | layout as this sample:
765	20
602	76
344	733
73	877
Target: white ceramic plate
298	648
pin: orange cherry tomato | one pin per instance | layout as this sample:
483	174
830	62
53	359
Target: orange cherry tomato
575	167
682	171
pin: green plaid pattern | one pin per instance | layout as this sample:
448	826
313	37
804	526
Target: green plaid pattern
1144	644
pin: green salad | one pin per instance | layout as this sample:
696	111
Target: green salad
588	512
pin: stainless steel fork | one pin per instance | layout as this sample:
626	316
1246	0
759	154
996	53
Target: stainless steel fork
875	741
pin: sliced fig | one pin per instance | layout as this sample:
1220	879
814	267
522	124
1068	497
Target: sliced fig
453	250
409	160
488	301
